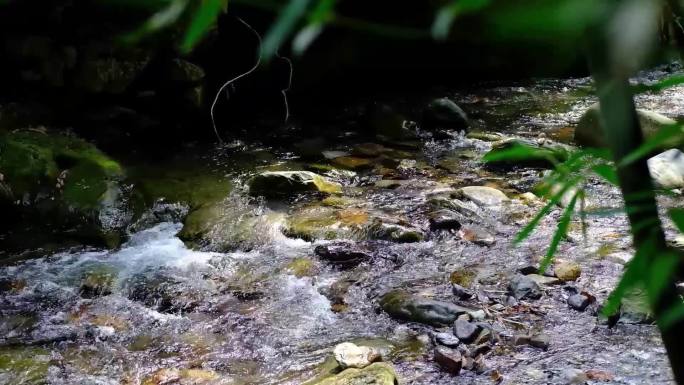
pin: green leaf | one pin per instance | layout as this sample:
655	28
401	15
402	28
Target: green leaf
669	134
677	216
203	19
527	230
162	19
560	233
447	14
607	172
321	15
283	26
632	277
661	268
660	85
671	316
519	151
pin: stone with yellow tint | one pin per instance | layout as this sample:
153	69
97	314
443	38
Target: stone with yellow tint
279	184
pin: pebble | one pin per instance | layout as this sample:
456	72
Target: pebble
541	341
578	302
349	355
461	292
447	339
465	331
573	376
448	359
524	287
567	271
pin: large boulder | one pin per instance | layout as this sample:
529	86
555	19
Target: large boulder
589	130
275	184
667	169
62	182
443	113
404	306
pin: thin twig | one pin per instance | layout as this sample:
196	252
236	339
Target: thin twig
226	84
289	84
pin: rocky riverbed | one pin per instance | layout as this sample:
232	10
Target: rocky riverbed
380	252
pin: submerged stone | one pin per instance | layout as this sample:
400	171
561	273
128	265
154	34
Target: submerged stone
344	254
443	113
404	306
378	373
273	184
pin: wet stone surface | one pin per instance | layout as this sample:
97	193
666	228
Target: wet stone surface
380	252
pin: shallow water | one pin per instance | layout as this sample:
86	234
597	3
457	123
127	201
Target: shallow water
247	317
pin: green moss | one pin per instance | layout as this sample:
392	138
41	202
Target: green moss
26	365
31	162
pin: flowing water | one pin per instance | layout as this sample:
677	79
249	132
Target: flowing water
270	312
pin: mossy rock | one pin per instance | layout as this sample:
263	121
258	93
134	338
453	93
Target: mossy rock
24	365
61	182
278	184
301	267
378	373
31	162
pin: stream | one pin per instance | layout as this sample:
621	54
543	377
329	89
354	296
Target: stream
253	302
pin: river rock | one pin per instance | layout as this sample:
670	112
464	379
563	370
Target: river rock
448	359
466	331
274	184
97	283
387	124
541	341
65	183
589	131
389	231
349	355
344	254
578	301
667	169
461	292
567	270
402	305
524	287
378	373
482	195
352	163
447	339
444	220
443	113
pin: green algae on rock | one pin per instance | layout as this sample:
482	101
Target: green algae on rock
63	182
273	184
378	373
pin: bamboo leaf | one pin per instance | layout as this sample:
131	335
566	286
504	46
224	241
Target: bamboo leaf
283	26
671	316
607	172
319	17
632	277
527	230
669	134
447	14
677	216
160	20
560	233
203	19
660	85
